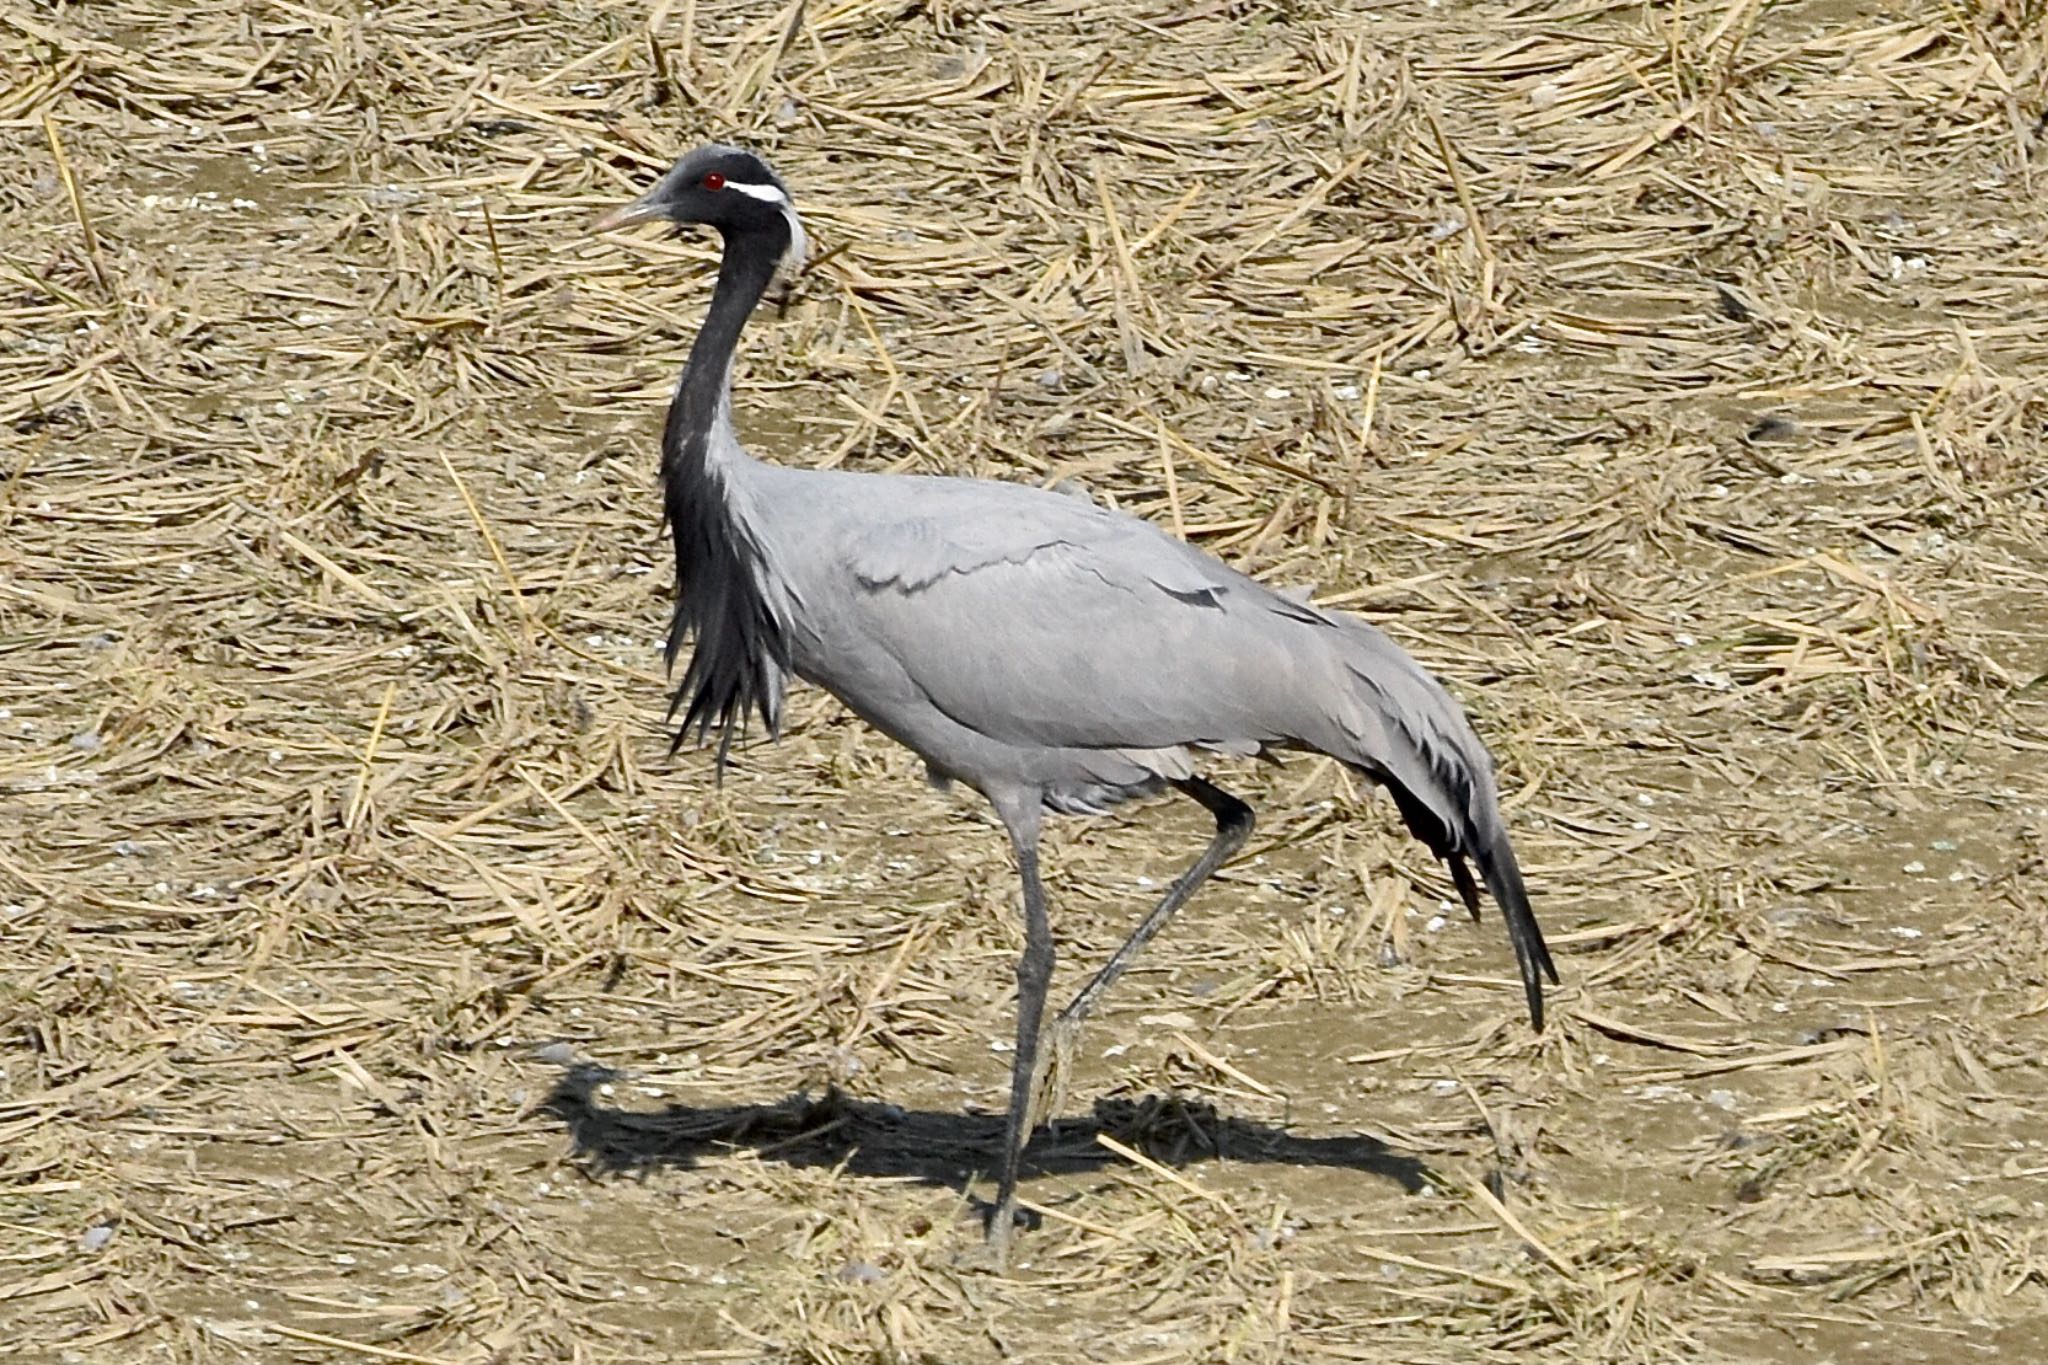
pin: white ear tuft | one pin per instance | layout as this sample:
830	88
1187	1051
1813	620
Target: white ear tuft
799	241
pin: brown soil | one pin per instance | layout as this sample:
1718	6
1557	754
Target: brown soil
374	987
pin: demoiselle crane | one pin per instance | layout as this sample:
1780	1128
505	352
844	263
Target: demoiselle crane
1048	652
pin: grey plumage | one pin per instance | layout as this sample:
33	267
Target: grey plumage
1051	653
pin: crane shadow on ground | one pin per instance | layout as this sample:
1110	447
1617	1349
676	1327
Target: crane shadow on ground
868	1138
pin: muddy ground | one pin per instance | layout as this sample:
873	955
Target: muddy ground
375	986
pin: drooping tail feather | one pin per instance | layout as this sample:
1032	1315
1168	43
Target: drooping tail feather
1504	880
1408	735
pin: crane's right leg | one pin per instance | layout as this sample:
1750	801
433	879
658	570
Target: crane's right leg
1021	816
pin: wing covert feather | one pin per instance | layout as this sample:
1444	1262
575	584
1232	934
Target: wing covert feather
1057	622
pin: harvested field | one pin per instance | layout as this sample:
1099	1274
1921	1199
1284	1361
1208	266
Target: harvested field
1668	377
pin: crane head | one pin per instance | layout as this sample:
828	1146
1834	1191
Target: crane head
727	188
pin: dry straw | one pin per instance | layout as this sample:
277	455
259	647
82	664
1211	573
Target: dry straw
374	987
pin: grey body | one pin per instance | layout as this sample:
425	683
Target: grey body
1051	653
1032	644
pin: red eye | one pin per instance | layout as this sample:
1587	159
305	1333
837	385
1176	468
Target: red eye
714	181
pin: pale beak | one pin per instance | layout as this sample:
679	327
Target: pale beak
625	215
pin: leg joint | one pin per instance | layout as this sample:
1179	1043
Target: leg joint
1234	819
1034	964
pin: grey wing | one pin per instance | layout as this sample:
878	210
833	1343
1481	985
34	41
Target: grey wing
1049	621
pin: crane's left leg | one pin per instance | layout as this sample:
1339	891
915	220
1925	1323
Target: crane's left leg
1234	821
1233	826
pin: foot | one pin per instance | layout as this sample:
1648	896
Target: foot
983	1258
993	1255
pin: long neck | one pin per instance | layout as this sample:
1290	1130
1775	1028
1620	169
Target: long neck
724	583
700	404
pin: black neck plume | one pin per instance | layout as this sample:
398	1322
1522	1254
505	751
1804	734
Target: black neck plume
741	652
